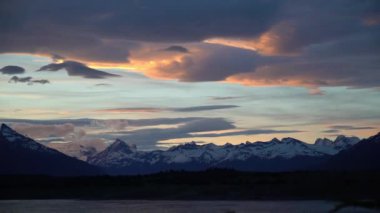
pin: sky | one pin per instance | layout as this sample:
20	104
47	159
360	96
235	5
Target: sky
157	73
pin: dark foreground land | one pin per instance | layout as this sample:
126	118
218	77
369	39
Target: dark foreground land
207	185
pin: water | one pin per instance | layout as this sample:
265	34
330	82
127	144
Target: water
141	206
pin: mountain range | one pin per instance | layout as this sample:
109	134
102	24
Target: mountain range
276	155
22	155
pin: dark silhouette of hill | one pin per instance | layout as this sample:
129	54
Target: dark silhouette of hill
22	155
365	155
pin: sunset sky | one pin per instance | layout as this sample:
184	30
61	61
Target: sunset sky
158	73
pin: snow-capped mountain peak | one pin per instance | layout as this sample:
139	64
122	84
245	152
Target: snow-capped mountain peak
185	146
291	141
344	140
333	147
121	146
324	142
119	151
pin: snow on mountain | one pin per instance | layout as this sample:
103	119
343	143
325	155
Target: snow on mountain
333	147
122	147
286	148
323	142
342	142
120	154
192	152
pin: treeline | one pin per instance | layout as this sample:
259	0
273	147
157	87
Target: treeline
208	185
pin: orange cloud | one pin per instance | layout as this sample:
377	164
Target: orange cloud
273	42
152	60
249	79
275	76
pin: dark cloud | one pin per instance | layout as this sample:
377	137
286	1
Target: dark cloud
331	131
215	64
222	98
148	138
162	121
106	122
41	81
103	85
349	127
170	109
106	32
286	42
339	128
29	80
16	79
74	68
247	132
206	124
167	20
12	70
76	122
176	48
203	108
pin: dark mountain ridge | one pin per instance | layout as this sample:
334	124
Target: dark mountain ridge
22	155
365	155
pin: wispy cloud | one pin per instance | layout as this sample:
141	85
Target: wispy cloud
331	131
222	98
106	123
29	80
202	108
339	128
349	127
246	132
103	85
170	109
151	137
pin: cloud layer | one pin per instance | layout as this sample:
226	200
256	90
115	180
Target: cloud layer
146	133
260	43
